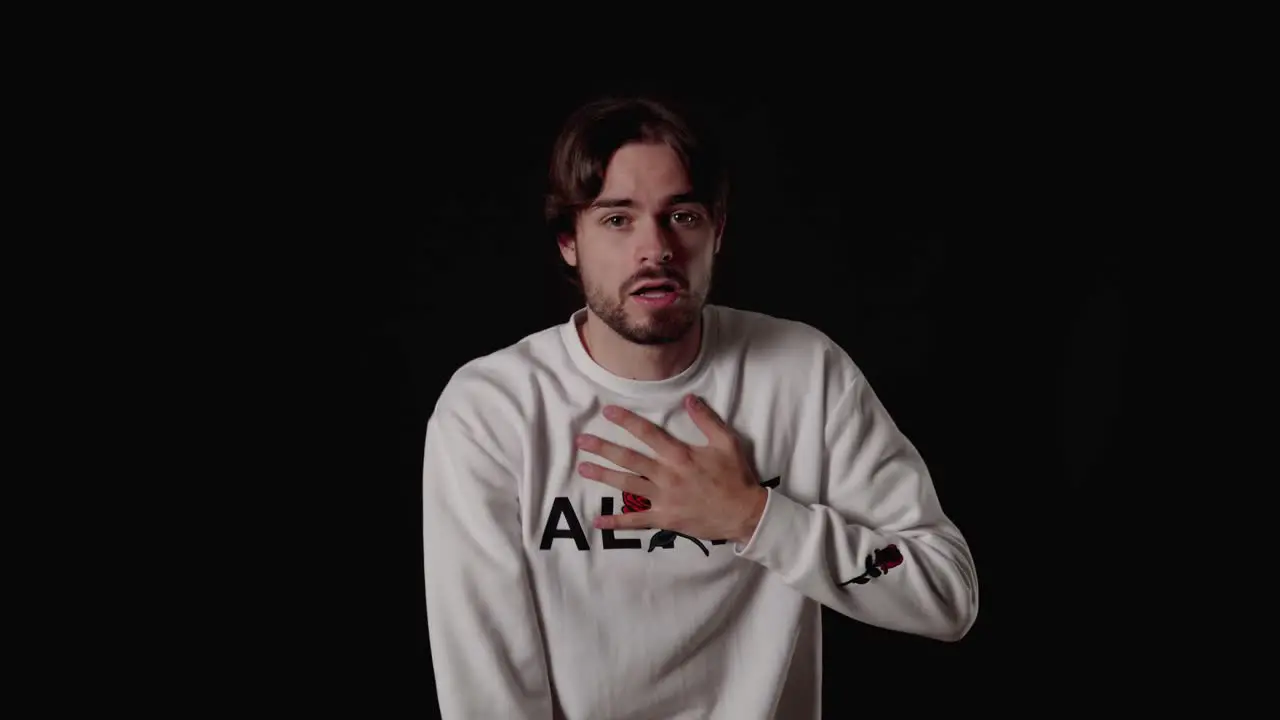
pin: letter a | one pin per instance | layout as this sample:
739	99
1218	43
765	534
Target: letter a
561	507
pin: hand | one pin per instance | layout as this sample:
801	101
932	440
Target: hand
709	491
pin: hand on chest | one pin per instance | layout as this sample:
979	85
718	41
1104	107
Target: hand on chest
680	473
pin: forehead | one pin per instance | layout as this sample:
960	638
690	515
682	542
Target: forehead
645	171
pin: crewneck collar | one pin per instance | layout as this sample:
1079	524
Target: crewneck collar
637	388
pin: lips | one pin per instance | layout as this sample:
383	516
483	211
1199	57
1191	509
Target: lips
657	294
656	286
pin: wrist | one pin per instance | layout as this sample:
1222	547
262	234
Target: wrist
759	497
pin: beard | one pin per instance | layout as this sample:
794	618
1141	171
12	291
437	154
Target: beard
659	326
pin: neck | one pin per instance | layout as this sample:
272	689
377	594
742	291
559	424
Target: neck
638	362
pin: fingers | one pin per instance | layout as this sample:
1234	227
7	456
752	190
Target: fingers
621	456
630	521
711	425
646	432
624	481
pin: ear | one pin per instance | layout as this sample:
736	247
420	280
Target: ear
568	249
720	222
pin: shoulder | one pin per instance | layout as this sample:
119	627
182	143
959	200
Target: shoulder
786	343
493	387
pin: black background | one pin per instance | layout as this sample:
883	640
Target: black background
952	232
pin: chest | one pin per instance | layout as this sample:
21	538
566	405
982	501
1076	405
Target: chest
559	505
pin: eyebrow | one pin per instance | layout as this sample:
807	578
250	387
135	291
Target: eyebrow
601	203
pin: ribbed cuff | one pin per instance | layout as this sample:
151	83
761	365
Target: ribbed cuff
781	535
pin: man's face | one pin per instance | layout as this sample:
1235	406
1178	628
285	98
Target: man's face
643	229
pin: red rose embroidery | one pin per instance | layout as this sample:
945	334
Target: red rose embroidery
889	557
878	563
635	503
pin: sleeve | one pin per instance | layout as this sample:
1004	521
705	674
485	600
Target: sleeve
486	643
881	551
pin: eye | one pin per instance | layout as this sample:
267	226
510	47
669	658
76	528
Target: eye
684	217
615	221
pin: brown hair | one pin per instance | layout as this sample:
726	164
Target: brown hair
595	131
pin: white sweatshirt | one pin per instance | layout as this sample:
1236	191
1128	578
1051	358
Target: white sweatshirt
533	613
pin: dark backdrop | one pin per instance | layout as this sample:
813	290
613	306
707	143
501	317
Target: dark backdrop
953	236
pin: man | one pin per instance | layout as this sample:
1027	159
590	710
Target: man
639	513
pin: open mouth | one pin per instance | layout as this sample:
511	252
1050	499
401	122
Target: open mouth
657	294
656	290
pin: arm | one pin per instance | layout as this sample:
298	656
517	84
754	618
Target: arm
486	642
882	551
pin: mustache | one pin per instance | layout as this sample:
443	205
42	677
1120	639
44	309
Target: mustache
658	276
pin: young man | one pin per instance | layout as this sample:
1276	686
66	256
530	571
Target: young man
639	513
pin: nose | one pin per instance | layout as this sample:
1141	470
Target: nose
655	244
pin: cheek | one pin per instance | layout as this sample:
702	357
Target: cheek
701	251
600	270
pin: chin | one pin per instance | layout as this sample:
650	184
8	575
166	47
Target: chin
642	323
660	327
